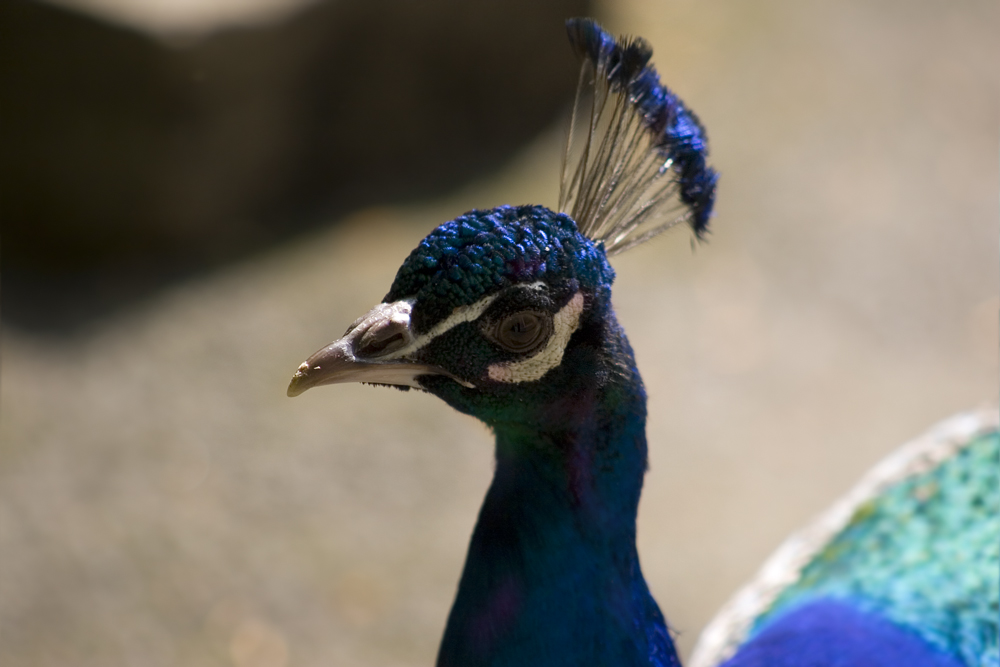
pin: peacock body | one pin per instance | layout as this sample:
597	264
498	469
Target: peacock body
903	570
506	315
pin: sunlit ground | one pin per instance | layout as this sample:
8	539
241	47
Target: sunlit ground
163	503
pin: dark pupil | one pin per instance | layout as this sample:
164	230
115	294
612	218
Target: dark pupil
523	327
521	331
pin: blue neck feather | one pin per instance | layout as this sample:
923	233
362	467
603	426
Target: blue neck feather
552	575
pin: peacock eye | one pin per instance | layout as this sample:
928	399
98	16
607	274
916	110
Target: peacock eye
523	332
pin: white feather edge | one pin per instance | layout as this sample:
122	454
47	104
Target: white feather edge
727	630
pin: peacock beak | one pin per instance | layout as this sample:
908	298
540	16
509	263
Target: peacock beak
373	350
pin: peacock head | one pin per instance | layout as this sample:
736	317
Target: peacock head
499	312
505	313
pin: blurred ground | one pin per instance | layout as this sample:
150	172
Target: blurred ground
163	503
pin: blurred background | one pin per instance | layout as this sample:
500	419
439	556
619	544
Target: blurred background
197	195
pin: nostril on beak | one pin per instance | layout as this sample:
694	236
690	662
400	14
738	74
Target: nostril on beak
384	340
384	330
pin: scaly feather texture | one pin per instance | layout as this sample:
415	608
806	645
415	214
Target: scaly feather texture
506	315
922	555
913	550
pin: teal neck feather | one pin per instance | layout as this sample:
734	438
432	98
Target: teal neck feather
552	575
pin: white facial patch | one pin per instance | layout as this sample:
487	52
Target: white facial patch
564	324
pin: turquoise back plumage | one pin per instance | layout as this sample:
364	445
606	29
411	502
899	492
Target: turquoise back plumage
904	569
924	554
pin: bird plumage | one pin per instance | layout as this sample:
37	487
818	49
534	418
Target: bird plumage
644	152
912	550
506	315
552	574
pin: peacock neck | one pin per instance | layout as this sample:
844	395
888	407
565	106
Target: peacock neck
552	576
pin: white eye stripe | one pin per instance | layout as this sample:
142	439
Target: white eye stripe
458	316
564	324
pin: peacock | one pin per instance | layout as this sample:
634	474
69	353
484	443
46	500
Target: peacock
506	315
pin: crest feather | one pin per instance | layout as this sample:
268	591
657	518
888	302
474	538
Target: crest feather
641	168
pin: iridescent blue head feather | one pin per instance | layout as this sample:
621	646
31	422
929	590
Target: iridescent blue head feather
485	251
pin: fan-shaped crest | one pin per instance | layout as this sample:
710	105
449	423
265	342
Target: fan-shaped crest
641	168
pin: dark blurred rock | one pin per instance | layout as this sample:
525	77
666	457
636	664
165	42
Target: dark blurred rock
127	162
